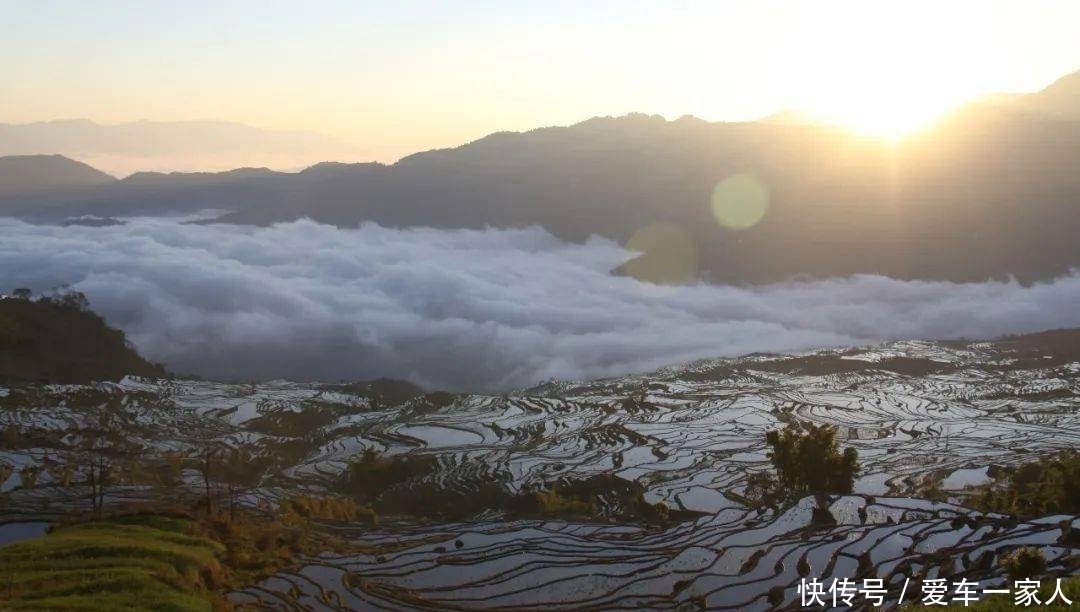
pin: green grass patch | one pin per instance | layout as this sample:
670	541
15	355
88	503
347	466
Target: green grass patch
130	564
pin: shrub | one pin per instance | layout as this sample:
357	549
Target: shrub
552	503
1046	486
303	507
1024	563
807	459
372	473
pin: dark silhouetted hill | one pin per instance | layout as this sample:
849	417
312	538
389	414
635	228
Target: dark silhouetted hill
988	192
23	175
58	340
1044	349
148	193
384	391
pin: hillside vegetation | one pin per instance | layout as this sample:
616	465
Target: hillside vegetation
1045	486
57	339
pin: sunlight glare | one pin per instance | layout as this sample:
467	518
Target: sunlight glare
886	82
889	114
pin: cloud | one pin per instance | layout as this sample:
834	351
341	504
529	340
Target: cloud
466	309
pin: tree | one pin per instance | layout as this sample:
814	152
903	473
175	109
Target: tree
29	475
807	459
99	452
22	293
1049	485
12	437
66	297
170	472
240	470
75	300
207	455
209	460
62	472
5	471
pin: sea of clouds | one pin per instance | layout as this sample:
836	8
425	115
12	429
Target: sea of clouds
466	309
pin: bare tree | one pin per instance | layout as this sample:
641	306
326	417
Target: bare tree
101	452
241	470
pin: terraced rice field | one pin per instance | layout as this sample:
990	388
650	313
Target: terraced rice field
923	416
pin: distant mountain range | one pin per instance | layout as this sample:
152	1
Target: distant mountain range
121	149
988	191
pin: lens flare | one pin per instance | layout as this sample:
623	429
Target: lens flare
739	202
668	255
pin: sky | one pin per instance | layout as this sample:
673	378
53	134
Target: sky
397	77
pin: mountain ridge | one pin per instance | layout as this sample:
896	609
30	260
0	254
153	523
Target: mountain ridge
986	191
189	145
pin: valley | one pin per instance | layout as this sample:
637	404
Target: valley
929	420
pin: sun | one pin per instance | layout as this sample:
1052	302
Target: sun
877	101
877	80
888	117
